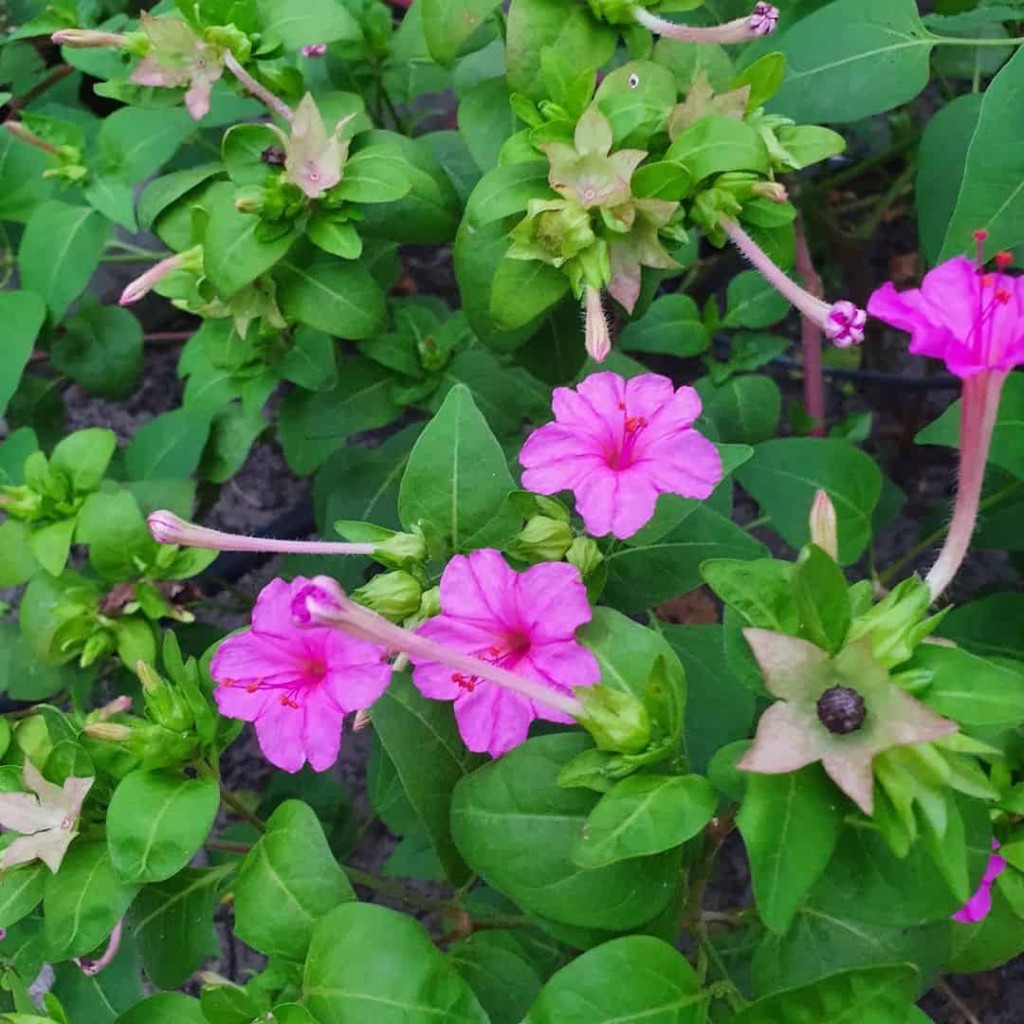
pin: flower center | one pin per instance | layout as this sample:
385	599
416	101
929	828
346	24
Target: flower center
985	337
623	454
506	655
841	710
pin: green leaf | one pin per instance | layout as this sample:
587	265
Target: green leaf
21	890
717	144
234	253
59	251
233	432
687	60
312	425
168	446
636	98
809	143
972	690
311	362
22	185
314	21
990	196
113	526
822	598
368	962
719	709
523	290
643	573
643	815
852	59
242	149
375	174
941	161
790	825
422	740
166	190
286	883
785	475
498	969
1007	448
102	351
572	31
879	994
672	326
457	478
448	24
134	142
156	822
636	978
992	626
764	76
745	409
173	924
752	302
166	1008
22	314
331	295
516	827
100	998
83	901
486	120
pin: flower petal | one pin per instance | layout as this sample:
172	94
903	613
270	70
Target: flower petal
480	588
492	720
552	601
785	742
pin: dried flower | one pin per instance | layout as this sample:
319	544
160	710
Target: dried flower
314	159
761	21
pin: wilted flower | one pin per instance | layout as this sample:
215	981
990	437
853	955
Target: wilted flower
46	820
314	159
553	231
841	711
978	907
640	246
523	622
761	21
973	321
701	101
618	444
178	57
295	683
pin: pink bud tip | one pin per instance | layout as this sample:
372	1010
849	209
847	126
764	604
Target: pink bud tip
844	325
981	235
166	527
321	591
764	19
314	50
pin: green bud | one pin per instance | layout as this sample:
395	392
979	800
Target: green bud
395	595
20	502
100	644
164	704
432	356
401	549
157	747
553	231
618	12
542	540
616	720
585	555
430	603
251	200
136	44
898	623
229	37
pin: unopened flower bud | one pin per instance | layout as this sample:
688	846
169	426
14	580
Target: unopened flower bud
824	528
315	50
252	201
585	555
395	595
81	39
97	646
773	190
542	540
110	732
362	720
118	706
616	720
401	549
164	704
598	337
430	603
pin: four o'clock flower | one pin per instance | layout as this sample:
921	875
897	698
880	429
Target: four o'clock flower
294	682
618	444
973	320
842	322
47	818
314	158
177	57
523	622
841	711
191	260
315	50
761	21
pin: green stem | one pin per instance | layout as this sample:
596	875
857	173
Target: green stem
138	250
240	810
960	41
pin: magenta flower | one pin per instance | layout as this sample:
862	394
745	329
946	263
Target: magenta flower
315	50
522	622
618	444
295	683
973	321
978	907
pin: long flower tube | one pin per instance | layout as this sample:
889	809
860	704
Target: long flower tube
761	21
326	604
843	322
278	106
167	528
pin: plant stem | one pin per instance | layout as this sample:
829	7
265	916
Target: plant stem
960	41
58	75
240	810
810	336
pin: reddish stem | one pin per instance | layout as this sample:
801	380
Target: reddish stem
810	337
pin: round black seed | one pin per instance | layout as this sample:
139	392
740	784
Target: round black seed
841	710
273	156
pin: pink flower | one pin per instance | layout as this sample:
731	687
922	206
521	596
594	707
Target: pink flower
315	50
523	622
618	444
977	908
295	684
972	320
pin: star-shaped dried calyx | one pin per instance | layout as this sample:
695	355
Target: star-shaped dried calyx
314	158
701	100
640	247
553	231
589	171
842	711
47	818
